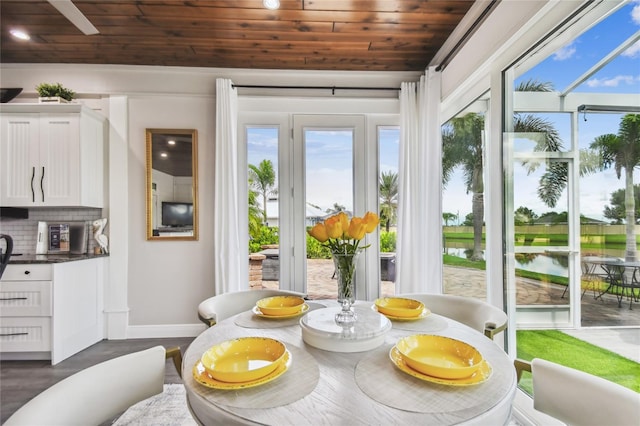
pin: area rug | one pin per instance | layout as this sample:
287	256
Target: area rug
166	409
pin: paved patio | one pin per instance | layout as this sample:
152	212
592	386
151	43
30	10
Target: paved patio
603	314
471	282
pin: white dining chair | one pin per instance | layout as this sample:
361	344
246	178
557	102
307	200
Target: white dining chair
578	398
97	394
221	306
475	313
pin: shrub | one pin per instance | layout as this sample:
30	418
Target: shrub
315	250
265	235
387	242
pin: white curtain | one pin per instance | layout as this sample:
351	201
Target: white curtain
231	256
419	245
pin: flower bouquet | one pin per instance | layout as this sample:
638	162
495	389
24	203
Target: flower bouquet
343	237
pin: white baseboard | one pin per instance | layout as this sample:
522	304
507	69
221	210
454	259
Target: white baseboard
164	330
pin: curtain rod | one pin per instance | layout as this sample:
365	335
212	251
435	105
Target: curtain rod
332	88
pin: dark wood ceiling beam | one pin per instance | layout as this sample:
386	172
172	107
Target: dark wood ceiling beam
307	15
188	36
397	6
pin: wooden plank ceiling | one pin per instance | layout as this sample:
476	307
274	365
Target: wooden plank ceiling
357	35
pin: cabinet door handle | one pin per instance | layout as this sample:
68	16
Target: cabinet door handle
41	184
27	272
13	334
33	176
13	298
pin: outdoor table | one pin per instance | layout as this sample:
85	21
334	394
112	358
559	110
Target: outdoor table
619	275
356	388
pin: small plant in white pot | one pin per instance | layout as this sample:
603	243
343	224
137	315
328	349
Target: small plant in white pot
54	93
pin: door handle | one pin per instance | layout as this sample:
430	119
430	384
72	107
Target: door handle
42	184
33	176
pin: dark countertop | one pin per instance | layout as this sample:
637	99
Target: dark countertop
51	258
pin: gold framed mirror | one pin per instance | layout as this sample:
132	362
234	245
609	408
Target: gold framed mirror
172	184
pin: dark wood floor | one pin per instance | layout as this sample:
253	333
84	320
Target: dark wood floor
22	380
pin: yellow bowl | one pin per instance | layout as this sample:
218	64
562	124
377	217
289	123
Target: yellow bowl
280	305
439	356
243	359
399	307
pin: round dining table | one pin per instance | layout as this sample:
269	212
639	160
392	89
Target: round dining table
330	387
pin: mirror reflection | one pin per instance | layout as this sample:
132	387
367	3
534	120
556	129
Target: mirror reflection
172	208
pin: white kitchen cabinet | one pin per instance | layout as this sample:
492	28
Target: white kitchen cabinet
51	156
51	311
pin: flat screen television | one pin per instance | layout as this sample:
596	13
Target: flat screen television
177	214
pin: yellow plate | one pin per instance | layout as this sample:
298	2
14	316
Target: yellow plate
481	375
280	305
259	313
439	356
399	307
425	312
243	359
201	376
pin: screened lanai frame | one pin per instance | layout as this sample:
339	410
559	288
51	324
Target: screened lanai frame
576	105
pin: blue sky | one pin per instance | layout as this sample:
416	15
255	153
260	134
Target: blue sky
329	174
622	75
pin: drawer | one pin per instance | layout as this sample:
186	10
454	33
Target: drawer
26	272
25	334
25	298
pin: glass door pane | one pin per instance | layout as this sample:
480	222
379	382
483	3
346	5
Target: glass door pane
262	159
329	190
389	149
603	229
542	219
328	177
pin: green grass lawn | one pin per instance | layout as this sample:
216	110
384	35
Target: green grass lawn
558	347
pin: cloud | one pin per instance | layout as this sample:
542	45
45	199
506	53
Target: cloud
635	13
613	82
564	53
633	51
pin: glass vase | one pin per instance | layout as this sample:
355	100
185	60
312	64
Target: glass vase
345	270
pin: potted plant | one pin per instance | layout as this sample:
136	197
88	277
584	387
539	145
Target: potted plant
54	92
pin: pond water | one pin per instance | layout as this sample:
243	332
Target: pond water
543	263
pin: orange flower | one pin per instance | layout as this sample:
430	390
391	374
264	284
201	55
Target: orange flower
357	228
371	220
334	227
319	232
344	220
343	235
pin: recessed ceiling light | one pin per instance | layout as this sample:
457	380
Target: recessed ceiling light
20	34
164	155
271	4
171	142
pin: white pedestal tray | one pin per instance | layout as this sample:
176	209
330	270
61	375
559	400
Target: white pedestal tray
320	330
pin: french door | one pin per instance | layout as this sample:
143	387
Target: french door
333	169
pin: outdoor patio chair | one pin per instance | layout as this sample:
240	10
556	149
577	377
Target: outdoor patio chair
99	393
578	398
475	313
217	308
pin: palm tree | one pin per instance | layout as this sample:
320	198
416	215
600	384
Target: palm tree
388	189
622	151
262	180
255	214
337	208
462	145
447	217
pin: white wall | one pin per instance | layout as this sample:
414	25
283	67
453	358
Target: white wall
155	287
167	279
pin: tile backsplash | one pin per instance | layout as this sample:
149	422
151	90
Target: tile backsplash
24	231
